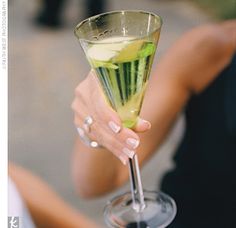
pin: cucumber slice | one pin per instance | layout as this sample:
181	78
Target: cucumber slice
100	53
96	64
129	52
107	49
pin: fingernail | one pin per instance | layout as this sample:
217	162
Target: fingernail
80	131
132	142
129	153
123	159
114	127
147	123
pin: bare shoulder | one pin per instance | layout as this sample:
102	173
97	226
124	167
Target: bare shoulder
198	57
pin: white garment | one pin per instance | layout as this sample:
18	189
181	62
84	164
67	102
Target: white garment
17	208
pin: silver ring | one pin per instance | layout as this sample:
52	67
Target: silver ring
88	121
86	140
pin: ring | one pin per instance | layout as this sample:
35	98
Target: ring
86	140
88	121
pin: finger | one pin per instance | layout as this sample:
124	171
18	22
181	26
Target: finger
122	145
126	141
111	123
142	126
105	114
104	134
80	114
80	111
114	146
127	138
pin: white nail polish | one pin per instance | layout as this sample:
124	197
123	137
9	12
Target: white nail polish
128	152
132	142
114	127
80	131
123	159
146	122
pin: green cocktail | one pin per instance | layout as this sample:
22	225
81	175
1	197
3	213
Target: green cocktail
123	69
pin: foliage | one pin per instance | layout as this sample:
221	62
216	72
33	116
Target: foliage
222	9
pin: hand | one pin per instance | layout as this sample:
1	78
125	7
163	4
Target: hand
106	129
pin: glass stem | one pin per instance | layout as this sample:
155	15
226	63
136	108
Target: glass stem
136	184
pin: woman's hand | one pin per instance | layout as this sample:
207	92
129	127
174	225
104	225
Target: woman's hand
106	128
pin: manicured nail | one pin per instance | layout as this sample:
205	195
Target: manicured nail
123	159
114	127
147	123
80	131
129	153
132	142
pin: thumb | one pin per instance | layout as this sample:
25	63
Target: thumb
142	125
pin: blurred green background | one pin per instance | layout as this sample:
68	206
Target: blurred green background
221	9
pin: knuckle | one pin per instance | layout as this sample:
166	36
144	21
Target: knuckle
96	133
112	141
130	133
76	121
112	144
107	114
78	91
76	107
73	105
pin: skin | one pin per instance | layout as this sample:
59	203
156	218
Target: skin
47	209
187	68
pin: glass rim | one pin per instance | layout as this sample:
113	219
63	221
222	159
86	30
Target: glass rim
117	12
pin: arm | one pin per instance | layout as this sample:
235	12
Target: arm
187	68
45	206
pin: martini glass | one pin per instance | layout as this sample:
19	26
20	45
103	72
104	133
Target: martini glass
120	47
